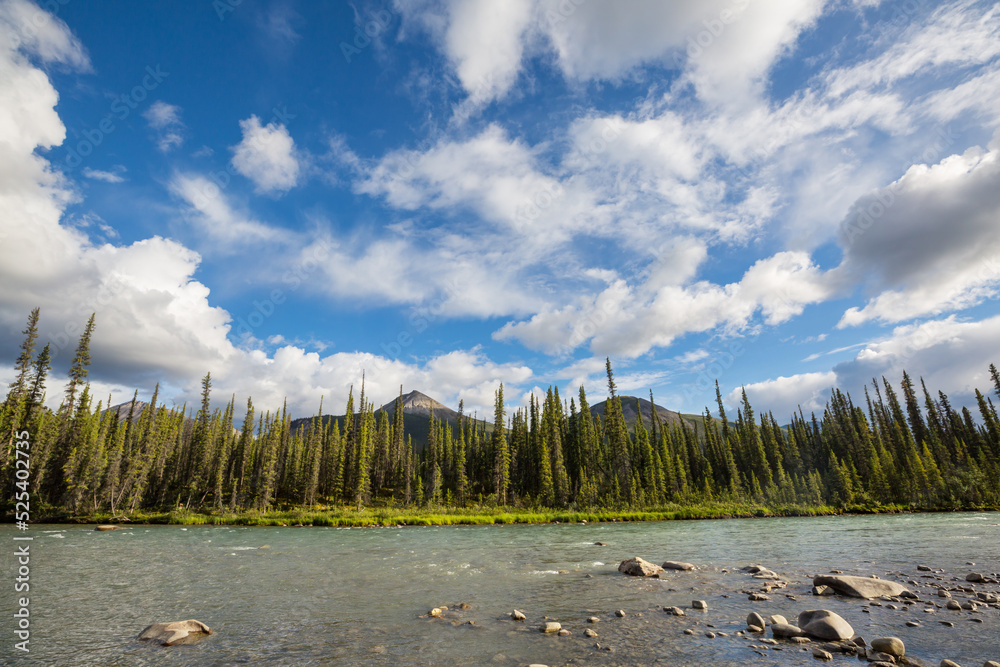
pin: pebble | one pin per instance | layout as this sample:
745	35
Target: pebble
699	604
914	624
517	615
564	633
620	613
820	654
589	633
710	635
593	619
688	631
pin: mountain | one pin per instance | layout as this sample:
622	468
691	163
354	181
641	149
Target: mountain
416	403
122	410
629	412
417	408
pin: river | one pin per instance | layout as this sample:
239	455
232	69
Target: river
315	596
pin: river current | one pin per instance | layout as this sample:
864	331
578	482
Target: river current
317	596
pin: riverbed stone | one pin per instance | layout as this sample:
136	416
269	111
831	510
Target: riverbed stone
564	633
699	604
785	631
991	663
593	619
637	567
776	619
824	624
175	632
589	633
892	645
758	597
954	605
820	654
674	611
620	613
550	627
942	593
753	618
823	590
677	565
860	587
974	577
104	528
517	615
949	663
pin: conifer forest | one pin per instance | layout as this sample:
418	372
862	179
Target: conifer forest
900	444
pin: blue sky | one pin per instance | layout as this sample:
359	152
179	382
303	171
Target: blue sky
785	196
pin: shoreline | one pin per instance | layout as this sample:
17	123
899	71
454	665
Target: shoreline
394	517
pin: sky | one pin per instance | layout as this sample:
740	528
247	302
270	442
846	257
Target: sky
781	196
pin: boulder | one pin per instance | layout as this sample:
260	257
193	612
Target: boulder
824	624
859	587
974	577
891	645
785	631
637	567
677	565
169	634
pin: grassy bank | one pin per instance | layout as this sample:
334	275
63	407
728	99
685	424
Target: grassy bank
478	515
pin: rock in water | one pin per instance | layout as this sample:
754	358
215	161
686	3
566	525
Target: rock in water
824	624
859	587
551	627
785	631
699	604
820	654
753	618
169	634
517	615
891	645
677	565
108	527
637	567
949	663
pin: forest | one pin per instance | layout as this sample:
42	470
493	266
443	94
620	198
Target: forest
898	447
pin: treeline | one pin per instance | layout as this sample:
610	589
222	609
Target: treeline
914	450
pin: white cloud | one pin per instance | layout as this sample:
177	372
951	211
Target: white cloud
928	242
30	29
106	176
267	156
785	395
627	320
165	119
211	210
950	355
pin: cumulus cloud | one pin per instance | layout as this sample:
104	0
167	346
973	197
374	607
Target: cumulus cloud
629	320
927	243
785	395
155	321
267	156
949	354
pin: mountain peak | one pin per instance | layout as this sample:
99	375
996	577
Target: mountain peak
419	403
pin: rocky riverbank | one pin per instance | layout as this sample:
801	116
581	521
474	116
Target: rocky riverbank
790	617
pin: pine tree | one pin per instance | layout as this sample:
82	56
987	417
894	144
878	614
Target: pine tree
501	461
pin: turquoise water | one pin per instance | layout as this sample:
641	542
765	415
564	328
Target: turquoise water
360	596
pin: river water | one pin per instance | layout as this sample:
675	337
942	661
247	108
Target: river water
317	596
